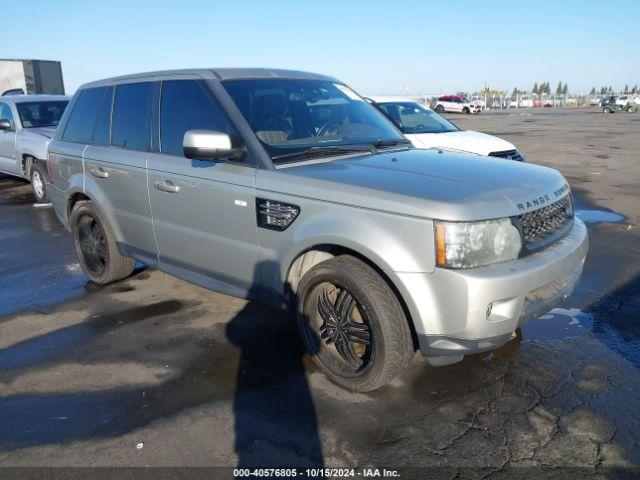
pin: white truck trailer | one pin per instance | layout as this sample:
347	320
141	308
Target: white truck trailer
31	77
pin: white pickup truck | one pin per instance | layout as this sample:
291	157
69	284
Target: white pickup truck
27	124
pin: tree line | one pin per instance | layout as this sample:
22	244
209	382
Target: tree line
605	90
543	89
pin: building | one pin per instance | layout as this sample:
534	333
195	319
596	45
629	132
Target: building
31	76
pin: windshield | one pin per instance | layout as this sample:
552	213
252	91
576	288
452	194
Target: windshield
289	115
411	117
41	114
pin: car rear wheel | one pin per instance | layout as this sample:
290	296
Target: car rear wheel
96	245
466	111
38	183
607	110
439	108
352	324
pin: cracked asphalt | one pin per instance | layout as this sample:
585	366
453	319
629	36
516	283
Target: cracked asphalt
153	371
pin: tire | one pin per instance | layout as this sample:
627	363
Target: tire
607	110
95	245
466	111
439	108
38	183
369	310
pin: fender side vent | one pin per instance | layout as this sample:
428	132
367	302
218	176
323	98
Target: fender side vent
274	215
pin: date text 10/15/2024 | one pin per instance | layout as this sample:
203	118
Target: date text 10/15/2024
315	472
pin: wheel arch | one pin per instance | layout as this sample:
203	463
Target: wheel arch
27	161
306	259
102	203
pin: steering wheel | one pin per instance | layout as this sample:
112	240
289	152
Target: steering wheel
324	128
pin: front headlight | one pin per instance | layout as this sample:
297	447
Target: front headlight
474	244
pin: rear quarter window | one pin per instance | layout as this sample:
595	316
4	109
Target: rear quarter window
83	116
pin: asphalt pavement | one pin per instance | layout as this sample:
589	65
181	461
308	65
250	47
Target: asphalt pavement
154	371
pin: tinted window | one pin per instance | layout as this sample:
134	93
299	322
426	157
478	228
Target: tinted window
131	107
187	105
83	117
103	122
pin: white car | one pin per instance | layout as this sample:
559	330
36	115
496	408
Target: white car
27	125
456	104
428	129
622	101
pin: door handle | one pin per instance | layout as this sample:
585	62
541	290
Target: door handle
99	172
167	186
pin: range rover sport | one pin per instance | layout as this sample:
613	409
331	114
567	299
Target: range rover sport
287	187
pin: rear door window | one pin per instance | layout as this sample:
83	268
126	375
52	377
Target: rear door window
83	117
187	105
131	116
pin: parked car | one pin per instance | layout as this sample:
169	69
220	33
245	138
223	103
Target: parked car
622	100
428	129
27	124
287	187
456	104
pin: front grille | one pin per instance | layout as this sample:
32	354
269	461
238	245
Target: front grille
547	223
508	154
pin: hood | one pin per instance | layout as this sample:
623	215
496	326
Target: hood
462	141
48	132
422	183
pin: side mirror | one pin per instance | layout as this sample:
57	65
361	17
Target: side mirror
5	124
210	145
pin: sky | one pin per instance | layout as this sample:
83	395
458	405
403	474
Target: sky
376	46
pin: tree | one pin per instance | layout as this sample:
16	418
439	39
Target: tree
634	90
559	89
515	92
603	90
610	89
565	89
626	89
535	88
593	91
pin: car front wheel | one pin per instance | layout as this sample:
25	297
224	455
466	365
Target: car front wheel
439	108
95	245
38	183
352	324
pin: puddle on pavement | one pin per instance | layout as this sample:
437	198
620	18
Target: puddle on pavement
559	323
599	216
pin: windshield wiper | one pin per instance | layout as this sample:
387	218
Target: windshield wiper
320	152
391	143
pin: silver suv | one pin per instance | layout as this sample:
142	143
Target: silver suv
27	124
289	188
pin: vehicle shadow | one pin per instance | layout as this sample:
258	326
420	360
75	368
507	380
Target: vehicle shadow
275	417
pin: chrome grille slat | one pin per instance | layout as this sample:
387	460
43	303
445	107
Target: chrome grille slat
541	223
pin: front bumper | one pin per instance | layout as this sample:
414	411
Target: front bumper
460	312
